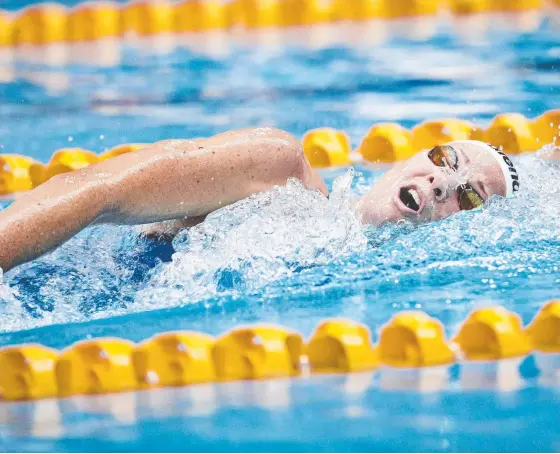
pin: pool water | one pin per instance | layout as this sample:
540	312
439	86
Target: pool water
288	256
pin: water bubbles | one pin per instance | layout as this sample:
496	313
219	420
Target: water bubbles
262	239
293	242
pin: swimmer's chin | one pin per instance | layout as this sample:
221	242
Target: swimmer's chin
372	215
368	215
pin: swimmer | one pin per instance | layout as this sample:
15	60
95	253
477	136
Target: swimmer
175	183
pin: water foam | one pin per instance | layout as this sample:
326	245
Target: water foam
293	241
237	250
242	248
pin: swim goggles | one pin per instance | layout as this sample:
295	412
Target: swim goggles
446	156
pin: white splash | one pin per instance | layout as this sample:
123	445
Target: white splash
238	249
260	245
257	241
11	310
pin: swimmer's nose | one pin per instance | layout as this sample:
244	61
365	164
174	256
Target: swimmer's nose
438	187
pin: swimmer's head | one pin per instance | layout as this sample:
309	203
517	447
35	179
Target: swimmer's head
436	183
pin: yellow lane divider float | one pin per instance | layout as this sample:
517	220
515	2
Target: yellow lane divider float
482	6
411	340
174	359
94	20
254	352
6	23
62	161
41	24
20	173
96	366
52	22
325	147
390	142
414	339
341	345
15	173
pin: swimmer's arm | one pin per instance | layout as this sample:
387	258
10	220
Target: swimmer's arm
193	178
165	181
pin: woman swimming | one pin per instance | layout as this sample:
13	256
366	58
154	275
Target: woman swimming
176	183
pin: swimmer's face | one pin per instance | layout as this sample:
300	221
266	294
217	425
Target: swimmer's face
420	191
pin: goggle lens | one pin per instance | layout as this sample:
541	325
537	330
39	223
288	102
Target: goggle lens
469	199
446	156
443	156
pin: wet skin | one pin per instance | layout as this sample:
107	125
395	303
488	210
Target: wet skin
176	183
436	186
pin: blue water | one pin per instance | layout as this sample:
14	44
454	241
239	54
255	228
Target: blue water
16	5
301	258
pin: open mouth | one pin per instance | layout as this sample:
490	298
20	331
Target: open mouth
410	198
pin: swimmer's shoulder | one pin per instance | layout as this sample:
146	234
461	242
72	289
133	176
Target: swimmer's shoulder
266	138
271	150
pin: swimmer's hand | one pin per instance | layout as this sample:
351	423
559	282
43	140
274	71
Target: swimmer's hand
173	179
166	230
